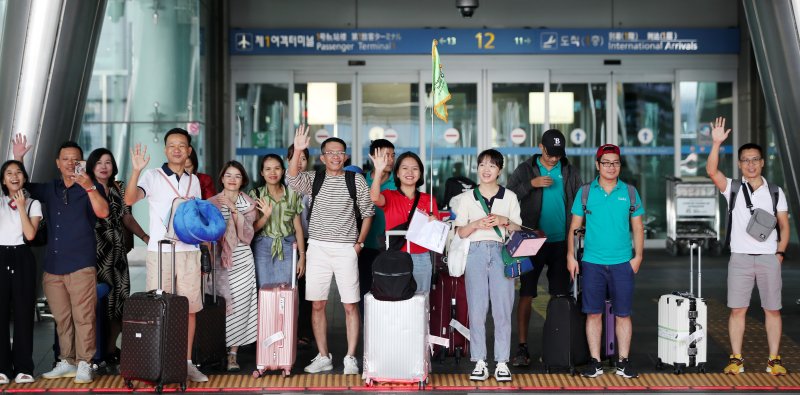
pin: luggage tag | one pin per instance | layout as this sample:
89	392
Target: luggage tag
437	340
460	328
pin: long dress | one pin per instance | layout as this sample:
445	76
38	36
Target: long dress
241	325
112	259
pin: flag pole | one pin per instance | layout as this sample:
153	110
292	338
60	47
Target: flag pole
432	136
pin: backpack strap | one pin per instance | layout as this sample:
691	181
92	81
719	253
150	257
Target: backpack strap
773	192
178	194
585	197
632	199
736	184
350	180
319	178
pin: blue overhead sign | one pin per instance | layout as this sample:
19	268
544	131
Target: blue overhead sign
486	41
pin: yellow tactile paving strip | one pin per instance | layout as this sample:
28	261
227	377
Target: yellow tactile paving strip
527	382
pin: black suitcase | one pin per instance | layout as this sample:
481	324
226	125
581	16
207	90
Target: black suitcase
155	328
564	344
208	347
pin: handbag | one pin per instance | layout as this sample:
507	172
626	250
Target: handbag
520	265
761	223
457	253
41	233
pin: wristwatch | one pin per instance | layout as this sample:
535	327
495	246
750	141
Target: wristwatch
360	244
92	188
781	253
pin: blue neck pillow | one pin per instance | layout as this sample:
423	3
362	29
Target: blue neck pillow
197	221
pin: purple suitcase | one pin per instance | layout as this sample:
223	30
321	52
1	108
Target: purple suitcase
609	350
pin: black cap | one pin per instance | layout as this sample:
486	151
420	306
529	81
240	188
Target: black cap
554	142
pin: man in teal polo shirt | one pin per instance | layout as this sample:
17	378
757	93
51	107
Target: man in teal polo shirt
608	264
546	186
375	243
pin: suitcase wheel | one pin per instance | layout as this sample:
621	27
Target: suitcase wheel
183	387
421	385
659	364
159	388
573	371
129	384
677	370
286	373
546	369
701	368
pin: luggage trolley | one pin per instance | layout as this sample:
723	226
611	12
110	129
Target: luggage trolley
692	215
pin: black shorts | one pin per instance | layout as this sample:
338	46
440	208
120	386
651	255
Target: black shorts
554	256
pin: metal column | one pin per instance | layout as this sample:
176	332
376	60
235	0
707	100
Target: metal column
46	64
774	29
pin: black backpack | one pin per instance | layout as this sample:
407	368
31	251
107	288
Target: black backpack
455	186
393	270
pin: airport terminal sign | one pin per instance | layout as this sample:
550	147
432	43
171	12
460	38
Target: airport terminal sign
485	41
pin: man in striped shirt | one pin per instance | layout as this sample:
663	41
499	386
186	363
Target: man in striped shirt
335	241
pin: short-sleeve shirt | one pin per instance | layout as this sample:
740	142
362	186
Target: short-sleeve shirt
10	222
741	242
159	187
281	222
71	244
397	208
504	203
554	213
608	234
379	219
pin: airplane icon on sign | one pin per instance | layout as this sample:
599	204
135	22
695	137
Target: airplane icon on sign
244	41
549	40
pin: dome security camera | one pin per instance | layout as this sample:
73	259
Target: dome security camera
467	7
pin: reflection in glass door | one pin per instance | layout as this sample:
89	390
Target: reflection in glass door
262	122
645	135
580	114
389	111
327	109
517	123
701	103
455	144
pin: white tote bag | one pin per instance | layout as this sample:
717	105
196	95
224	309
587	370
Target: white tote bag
457	255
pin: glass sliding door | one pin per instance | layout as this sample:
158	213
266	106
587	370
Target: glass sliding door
645	133
517	123
327	108
389	111
580	112
455	143
262	123
701	103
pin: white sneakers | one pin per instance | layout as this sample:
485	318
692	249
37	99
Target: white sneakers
62	369
350	365
84	374
193	374
320	363
481	372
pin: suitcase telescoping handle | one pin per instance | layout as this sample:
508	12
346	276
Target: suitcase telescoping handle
397	233
294	265
577	250
161	243
692	247
213	273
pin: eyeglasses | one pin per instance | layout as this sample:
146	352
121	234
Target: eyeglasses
234	176
334	153
610	164
751	161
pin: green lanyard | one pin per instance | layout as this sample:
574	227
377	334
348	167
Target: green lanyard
482	201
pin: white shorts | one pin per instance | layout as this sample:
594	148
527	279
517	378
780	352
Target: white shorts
325	260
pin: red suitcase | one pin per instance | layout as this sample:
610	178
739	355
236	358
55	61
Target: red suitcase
449	312
276	345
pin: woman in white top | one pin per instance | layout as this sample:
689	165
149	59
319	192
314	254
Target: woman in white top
484	275
19	220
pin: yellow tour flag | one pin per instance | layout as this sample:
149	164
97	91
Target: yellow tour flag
440	94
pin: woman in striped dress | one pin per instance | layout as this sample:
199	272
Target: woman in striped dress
237	280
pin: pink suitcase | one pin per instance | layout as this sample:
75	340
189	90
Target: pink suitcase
276	346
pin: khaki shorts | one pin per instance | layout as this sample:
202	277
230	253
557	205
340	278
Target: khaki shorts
326	260
745	270
187	268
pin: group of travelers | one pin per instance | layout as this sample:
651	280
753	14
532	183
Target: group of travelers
337	219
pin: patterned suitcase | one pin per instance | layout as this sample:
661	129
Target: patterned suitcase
155	328
276	345
208	347
396	340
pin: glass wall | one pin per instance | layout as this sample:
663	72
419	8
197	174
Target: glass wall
701	103
147	79
262	121
3	4
327	108
645	135
583	122
517	124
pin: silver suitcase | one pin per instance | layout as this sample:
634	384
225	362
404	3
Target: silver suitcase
682	323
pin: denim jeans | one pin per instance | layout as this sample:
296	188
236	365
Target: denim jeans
269	269
423	270
486	282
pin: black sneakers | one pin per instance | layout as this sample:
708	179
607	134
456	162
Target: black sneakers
523	358
593	369
625	369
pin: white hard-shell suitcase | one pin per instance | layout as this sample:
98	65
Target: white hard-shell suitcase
682	323
396	339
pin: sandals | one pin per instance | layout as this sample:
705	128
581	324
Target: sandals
24	378
233	366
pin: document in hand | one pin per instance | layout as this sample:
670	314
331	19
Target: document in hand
431	234
525	243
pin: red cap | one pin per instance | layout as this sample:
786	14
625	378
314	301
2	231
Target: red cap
607	149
